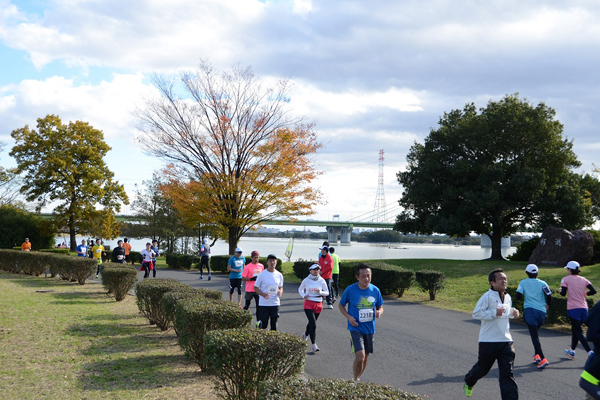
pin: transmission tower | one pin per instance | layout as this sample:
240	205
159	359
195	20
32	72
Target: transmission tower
379	214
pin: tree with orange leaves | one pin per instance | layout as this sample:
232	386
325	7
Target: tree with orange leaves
236	156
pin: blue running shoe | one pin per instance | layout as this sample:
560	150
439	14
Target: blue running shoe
570	353
201	277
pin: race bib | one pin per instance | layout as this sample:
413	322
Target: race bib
315	291
119	257
98	250
272	290
255	273
239	263
365	315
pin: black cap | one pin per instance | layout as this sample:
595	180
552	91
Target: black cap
272	256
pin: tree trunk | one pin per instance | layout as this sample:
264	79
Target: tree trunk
73	244
234	238
496	238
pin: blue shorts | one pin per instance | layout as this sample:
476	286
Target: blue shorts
361	341
578	314
534	317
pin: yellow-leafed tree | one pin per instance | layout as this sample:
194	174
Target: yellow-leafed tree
236	156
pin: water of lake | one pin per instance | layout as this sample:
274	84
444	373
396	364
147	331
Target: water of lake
309	249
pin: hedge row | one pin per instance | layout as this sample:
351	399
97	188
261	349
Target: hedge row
119	279
317	389
556	314
219	263
181	261
75	269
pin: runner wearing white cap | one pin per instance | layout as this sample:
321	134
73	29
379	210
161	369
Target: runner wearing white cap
312	289
235	266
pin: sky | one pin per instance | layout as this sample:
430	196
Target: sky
371	75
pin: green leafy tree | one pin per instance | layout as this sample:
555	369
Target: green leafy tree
492	171
17	224
64	164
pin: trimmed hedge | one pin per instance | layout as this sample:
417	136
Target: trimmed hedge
75	269
181	261
219	263
241	359
135	257
195	317
119	279
170	299
57	251
430	281
317	389
149	295
390	279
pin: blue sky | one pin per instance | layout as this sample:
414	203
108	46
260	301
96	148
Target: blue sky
371	75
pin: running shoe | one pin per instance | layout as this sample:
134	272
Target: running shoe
590	353
315	348
543	363
537	359
257	324
330	306
304	337
201	277
96	276
468	390
570	353
209	277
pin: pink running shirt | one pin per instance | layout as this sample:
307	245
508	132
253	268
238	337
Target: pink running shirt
250	271
576	290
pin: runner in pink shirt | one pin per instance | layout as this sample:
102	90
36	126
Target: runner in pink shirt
577	309
249	275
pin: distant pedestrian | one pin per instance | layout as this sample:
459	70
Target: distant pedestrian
335	274
251	271
147	256
494	309
82	249
590	378
326	264
538	298
97	253
269	286
577	308
312	289
235	266
118	253
26	246
365	304
154	248
127	246
205	257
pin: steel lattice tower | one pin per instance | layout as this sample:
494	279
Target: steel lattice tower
379	214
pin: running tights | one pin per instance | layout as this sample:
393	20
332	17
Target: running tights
535	339
311	328
577	335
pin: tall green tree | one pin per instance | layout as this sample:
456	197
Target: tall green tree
493	171
65	164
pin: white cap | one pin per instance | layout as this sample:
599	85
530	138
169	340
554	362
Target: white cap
205	240
532	269
572	265
314	266
239	250
324	248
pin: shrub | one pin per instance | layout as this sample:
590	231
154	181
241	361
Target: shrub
242	358
301	268
195	317
430	281
149	295
389	279
314	389
170	299
81	267
596	256
56	251
524	250
135	257
219	263
119	279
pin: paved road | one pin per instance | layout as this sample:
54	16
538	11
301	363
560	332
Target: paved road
421	349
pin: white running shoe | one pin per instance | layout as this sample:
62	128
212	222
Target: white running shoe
315	348
330	306
304	337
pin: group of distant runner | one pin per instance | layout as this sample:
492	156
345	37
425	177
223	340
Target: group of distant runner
494	309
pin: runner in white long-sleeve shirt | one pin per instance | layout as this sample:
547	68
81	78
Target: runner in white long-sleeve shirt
312	289
494	309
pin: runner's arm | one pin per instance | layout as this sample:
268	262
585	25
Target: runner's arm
349	317
563	291
591	289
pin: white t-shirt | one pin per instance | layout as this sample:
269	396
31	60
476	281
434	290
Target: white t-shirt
148	255
269	282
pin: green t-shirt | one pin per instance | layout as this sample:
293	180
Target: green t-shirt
336	263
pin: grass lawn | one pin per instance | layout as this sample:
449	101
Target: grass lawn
467	279
63	340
